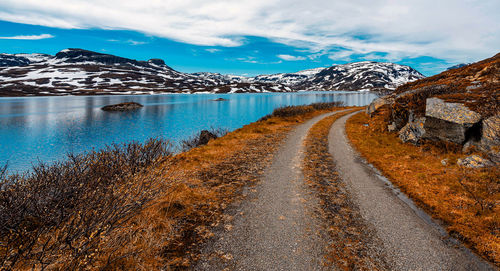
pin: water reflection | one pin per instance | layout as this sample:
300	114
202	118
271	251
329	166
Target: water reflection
46	128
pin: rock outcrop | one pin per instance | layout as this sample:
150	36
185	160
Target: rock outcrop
378	103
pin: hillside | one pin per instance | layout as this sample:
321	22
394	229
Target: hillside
82	72
459	106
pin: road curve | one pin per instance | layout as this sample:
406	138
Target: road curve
411	242
275	229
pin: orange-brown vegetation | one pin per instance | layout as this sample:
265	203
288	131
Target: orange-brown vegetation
164	209
466	200
352	246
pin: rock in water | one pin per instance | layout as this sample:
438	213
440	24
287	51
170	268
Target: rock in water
122	106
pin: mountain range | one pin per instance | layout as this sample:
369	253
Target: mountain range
82	72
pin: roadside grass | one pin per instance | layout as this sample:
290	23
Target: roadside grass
140	214
466	200
354	245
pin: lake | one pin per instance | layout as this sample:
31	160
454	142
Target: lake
47	128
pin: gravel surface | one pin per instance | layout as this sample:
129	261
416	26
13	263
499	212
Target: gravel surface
411	242
274	228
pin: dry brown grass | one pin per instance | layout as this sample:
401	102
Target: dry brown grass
354	245
466	200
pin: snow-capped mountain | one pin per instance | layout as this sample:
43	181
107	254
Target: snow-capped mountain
362	75
82	72
290	79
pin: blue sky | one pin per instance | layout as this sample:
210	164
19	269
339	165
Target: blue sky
258	37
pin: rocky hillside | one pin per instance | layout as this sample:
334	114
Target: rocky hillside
460	106
82	72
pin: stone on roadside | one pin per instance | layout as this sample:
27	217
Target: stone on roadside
391	127
413	131
444	162
474	161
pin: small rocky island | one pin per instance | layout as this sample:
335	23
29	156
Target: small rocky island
220	100
122	106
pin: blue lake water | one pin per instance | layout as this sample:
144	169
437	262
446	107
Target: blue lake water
47	128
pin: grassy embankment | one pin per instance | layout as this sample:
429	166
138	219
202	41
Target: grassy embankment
466	200
134	206
354	246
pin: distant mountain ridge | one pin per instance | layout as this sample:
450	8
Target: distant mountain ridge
83	72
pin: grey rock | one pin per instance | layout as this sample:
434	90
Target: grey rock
490	134
452	122
451	112
392	127
474	161
413	131
438	129
444	162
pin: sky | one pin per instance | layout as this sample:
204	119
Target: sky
250	37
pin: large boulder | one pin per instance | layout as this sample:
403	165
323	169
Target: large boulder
413	131
452	122
451	112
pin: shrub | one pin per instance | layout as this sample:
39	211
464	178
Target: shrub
202	138
59	215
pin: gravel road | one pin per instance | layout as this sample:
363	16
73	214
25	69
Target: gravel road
274	229
411	240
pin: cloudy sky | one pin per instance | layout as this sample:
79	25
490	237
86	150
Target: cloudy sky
259	36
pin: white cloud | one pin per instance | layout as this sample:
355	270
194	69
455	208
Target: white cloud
212	50
447	29
134	42
291	58
340	55
248	59
28	37
131	42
